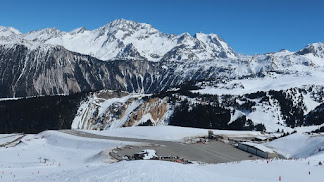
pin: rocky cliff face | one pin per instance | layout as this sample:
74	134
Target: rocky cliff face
109	109
54	70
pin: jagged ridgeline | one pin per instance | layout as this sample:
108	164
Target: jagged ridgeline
52	70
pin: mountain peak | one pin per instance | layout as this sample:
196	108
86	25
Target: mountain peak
317	49
126	24
52	30
186	34
123	38
317	45
121	21
284	50
78	30
200	35
8	31
216	44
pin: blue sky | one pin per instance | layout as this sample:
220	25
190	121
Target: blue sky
249	26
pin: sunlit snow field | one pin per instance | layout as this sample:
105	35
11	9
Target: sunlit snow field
72	158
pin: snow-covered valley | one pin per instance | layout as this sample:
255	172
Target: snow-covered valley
73	158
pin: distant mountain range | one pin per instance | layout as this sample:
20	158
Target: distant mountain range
134	57
123	39
141	59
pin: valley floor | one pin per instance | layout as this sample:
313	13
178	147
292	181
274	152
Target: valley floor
73	158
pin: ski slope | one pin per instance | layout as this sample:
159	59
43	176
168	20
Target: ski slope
160	171
61	151
299	145
72	158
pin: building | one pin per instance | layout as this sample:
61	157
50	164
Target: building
210	134
257	149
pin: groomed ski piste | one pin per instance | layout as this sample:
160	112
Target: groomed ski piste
56	156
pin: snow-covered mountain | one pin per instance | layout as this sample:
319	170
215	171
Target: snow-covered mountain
123	39
27	69
143	60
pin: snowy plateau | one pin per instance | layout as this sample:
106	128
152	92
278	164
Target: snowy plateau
83	95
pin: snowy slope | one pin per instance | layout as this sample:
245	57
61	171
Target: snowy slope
282	109
72	158
268	109
264	84
61	151
299	145
160	171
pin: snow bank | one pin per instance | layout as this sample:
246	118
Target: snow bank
167	133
